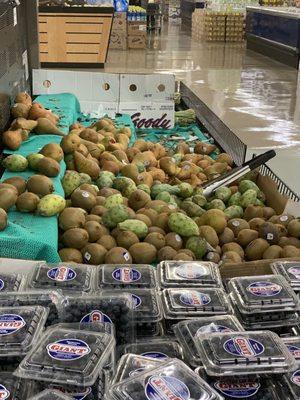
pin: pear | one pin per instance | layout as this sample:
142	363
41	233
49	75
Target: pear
86	166
46	127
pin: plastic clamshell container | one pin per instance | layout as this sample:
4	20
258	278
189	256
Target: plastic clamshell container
290	270
244	353
12	388
293	346
67	356
189	274
130	365
255	294
157	347
172	380
11	282
19	329
194	302
51	299
187	331
290	386
125	276
50	395
64	276
115	308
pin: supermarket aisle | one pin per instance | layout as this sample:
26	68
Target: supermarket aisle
257	98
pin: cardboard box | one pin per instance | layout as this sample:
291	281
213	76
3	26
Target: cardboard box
136	42
137	28
120	22
118	41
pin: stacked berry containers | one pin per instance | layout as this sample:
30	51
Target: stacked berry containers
14	388
186	333
19	329
263	302
69	360
189	303
290	386
293	346
290	270
159	348
11	283
50	395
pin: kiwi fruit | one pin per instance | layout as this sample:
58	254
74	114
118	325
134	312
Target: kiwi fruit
3	219
253	211
272	252
83	199
226	236
237	224
232	257
115	232
255	223
283	219
156	229
174	240
144	218
209	234
290	251
94	230
289	241
218	250
70	255
294	228
75	238
183	257
53	150
49	167
18	182
8	198
100	200
233	247
246	236
27	202
138	199
98	210
93	217
107	241
213	257
162	221
188	252
71	217
88	188
126	239
9	186
143	253
93	253
40	185
282	230
156	239
118	255
106	192
269	232
152	214
268	212
255	249
166	253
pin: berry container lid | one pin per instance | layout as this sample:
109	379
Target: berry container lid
19	329
189	274
290	385
254	294
125	276
13	388
67	356
194	302
157	347
114	308
64	276
172	379
245	353
11	282
50	394
130	365
290	270
187	331
293	346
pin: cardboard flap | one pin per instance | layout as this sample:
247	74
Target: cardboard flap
273	198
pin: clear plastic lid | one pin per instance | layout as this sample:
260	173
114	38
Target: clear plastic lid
64	276
146	305
67	356
12	388
293	346
50	394
160	347
290	386
290	270
11	282
187	331
19	328
130	365
262	293
171	380
126	276
109	307
244	353
189	274
194	302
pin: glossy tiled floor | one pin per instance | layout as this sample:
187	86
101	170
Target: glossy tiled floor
256	97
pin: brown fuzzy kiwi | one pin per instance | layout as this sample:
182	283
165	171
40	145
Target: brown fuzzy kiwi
268	212
40	185
107	241
231	257
126	239
269	232
118	255
255	223
283	219
294	228
237	224
83	199
282	230
71	217
143	253
152	214
70	255
255	249
234	189
157	239
98	210
18	182
166	253
246	236
49	167
183	257
213	257
93	217
226	237
209	234
111	166
115	232
290	251
289	241
174	240
156	229
272	252
89	188
162	221
93	253
138	199
144	218
8	198
253	212
218	250
233	247
106	192
100	200
188	253
94	230
9	186
3	219
75	238
27	202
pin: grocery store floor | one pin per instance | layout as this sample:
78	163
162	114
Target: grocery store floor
256	97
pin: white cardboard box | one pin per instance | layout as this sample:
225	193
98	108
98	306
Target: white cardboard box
148	98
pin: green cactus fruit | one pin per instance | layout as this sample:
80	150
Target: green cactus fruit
163	187
15	163
136	226
223	193
144	188
121	183
216	204
85	178
199	199
164	196
235	199
234	212
185	190
197	245
113	200
50	205
116	214
33	160
183	225
192	209
70	182
249	197
246	185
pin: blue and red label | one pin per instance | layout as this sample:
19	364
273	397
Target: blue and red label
191	271
96	316
264	289
126	275
10	323
61	274
295	271
166	388
212	328
2	285
294	350
155	354
68	349
243	347
137	301
296	377
238	388
195	299
4	393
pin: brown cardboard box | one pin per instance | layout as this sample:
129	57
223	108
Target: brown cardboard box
118	40
120	21
137	28
136	42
